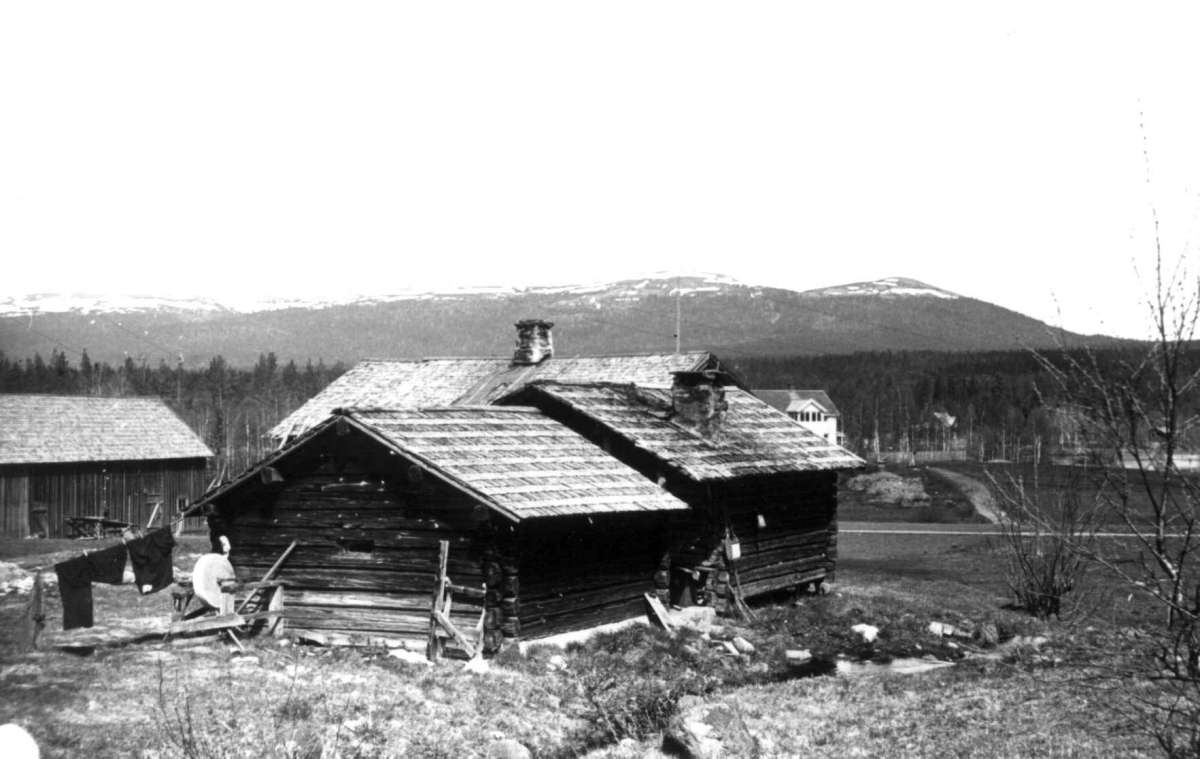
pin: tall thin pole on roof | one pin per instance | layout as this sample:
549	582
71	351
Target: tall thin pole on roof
678	315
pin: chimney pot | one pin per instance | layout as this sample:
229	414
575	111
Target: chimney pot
534	342
698	399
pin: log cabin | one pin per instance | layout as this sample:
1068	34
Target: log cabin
69	456
553	532
397	455
762	490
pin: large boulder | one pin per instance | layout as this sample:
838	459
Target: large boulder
708	730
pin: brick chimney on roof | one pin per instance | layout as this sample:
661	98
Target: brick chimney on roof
698	400
534	342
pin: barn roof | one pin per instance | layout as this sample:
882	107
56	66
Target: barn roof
512	459
753	438
795	400
474	381
51	429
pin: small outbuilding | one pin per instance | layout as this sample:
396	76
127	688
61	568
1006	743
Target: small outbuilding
63	457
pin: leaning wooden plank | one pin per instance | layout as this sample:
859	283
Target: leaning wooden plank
106	635
207	624
459	638
658	613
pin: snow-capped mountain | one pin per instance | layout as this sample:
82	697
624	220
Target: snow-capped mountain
632	315
889	287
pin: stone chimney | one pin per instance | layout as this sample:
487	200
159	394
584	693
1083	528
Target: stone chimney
534	343
698	400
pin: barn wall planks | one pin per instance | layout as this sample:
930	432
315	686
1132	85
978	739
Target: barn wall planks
126	490
14	503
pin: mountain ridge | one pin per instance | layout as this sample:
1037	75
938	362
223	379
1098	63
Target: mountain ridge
625	316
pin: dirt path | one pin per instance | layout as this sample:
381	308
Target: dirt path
976	492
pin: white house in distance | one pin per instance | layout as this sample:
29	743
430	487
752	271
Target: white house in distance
811	408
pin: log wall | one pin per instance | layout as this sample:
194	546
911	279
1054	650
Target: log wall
580	572
366	555
127	490
785	525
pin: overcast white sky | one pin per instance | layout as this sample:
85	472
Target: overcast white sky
245	149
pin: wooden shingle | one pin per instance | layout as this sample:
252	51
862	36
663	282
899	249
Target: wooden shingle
46	429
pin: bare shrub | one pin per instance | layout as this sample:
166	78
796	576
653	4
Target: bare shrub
1049	533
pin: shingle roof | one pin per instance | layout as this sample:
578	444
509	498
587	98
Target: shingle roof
473	381
793	400
525	463
515	460
753	438
46	429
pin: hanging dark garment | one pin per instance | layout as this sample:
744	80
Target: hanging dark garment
108	566
151	560
75	588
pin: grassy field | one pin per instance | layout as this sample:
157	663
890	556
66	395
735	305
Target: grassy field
612	696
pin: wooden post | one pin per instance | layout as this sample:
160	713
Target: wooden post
433	648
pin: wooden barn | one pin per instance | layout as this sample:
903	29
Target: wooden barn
761	489
67	456
555	533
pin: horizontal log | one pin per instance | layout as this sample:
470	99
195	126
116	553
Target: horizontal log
336	538
771	584
398	601
577	619
372	618
548	604
308	557
330	519
302	578
374	638
750	574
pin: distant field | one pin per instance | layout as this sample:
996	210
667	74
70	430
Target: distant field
1056	485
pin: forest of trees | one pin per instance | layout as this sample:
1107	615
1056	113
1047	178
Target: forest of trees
229	407
889	401
1002	402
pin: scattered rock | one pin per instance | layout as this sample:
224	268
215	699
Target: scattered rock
702	730
507	748
947	630
796	657
556	663
730	648
742	645
868	632
245	662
